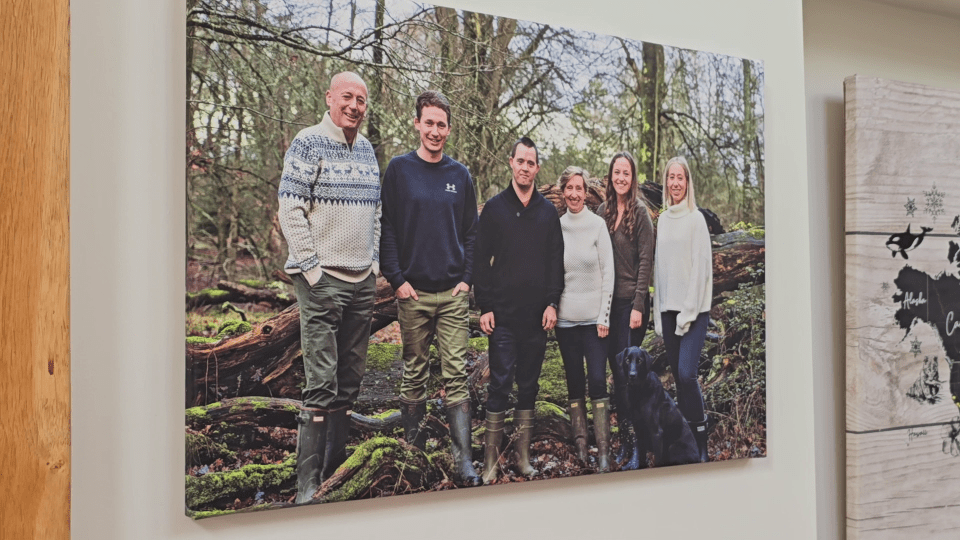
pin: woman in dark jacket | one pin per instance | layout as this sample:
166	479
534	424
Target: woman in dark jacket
631	232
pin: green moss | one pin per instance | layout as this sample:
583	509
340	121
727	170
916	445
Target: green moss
202	449
209	513
199	340
755	231
545	409
553	380
381	356
253	283
367	460
385	414
233	328
196	412
291	408
479	344
201	490
200	412
211	295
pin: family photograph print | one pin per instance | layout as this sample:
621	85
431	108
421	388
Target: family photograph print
433	249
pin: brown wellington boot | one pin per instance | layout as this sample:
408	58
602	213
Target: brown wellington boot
523	421
601	430
578	420
492	437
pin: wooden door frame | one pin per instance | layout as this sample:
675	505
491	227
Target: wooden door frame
35	269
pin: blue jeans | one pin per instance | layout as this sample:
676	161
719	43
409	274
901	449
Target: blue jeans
683	353
577	343
516	351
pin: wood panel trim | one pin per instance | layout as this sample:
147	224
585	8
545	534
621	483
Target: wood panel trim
34	269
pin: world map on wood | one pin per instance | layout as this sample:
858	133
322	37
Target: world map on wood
903	310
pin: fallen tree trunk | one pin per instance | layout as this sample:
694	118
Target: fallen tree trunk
228	291
267	361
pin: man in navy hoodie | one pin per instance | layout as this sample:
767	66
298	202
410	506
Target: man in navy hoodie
428	228
518	280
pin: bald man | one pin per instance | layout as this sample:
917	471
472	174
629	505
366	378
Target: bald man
330	216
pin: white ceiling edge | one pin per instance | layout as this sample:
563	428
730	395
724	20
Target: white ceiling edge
948	8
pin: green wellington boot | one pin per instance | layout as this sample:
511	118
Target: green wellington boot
492	437
458	416
601	430
412	414
338	425
311	442
578	420
523	421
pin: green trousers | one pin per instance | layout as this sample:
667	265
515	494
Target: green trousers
335	318
448	317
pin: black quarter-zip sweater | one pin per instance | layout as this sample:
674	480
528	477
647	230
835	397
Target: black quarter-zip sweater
518	259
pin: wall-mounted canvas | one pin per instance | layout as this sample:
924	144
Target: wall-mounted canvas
515	282
903	302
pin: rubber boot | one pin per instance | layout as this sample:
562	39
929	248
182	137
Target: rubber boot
458	416
628	444
578	420
523	422
623	435
492	437
311	443
338	425
700	435
601	430
412	414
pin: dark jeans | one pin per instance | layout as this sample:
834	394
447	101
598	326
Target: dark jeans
577	342
622	336
516	351
683	353
334	335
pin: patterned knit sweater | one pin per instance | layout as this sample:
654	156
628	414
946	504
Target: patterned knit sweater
683	273
587	270
330	204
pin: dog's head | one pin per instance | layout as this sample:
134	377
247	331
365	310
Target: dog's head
635	364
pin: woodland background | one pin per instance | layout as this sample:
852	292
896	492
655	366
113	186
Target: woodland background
257	72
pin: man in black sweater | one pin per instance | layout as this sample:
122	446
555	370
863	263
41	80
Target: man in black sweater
518	278
428	228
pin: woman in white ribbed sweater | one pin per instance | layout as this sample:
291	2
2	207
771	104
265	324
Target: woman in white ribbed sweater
583	319
683	289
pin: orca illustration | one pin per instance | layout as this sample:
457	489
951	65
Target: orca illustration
906	241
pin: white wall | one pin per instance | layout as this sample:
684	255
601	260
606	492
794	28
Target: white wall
127	326
843	38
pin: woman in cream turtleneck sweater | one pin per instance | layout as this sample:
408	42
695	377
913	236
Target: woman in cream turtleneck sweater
683	289
583	320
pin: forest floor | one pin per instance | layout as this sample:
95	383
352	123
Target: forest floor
735	400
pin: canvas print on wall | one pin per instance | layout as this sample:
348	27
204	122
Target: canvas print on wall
434	249
903	309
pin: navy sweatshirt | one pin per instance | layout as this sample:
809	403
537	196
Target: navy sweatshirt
429	223
519	258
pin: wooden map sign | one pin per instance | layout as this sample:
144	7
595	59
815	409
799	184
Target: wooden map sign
903	310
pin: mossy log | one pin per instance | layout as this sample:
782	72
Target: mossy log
736	256
214	489
379	467
252	418
228	291
265	361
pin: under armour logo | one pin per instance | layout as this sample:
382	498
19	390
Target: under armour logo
451	188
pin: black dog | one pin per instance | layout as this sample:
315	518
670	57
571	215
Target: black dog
659	424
